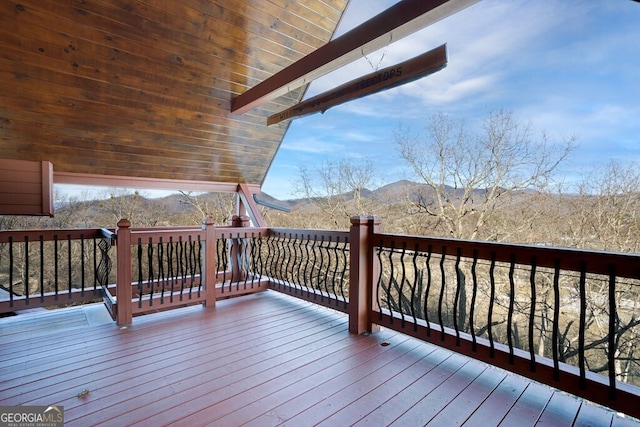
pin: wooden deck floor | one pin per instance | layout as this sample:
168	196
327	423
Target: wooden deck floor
261	360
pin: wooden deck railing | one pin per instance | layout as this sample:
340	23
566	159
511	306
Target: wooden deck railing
567	318
40	268
309	264
558	316
162	268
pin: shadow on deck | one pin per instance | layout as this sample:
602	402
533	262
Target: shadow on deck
263	359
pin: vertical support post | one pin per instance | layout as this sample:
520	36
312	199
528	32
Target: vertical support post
237	248
363	271
210	264
248	206
124	309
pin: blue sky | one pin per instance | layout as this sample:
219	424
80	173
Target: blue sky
570	67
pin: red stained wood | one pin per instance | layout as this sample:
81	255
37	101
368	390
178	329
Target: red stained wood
26	188
111	90
470	398
261	359
378	81
529	407
396	22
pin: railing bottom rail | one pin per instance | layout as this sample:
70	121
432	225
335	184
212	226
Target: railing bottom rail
50	299
243	287
315	296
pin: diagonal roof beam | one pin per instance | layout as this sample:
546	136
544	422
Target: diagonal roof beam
398	21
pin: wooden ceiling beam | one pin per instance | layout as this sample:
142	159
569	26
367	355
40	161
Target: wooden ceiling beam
398	21
84	179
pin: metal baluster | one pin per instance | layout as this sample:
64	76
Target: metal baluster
379	283
403	279
414	262
170	262
343	272
583	324
26	269
313	274
281	259
492	298
613	319
199	265
288	271
391	279
11	271
532	312
182	256
56	266
161	276
95	264
150	273
442	289
291	260
456	299
326	250
334	292
82	264
321	269
190	263
41	268
271	255
69	265
556	320
298	261
238	260
221	261
140	272
245	259
306	278
512	299
427	289
259	263
474	294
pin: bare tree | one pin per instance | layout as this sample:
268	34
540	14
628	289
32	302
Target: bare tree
134	206
336	189
219	206
605	214
470	175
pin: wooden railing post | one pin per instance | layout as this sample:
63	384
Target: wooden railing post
237	248
124	310
363	270
210	265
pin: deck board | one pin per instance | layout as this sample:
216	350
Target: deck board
261	360
461	408
591	416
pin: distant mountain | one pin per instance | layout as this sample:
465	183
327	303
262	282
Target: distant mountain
176	205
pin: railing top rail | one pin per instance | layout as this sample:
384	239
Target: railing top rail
597	262
166	234
49	234
334	235
167	228
234	231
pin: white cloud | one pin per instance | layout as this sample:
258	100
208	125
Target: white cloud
309	145
570	67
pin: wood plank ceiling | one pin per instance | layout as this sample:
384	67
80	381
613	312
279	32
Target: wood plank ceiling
143	88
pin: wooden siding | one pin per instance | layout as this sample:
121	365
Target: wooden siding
264	359
144	88
26	188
